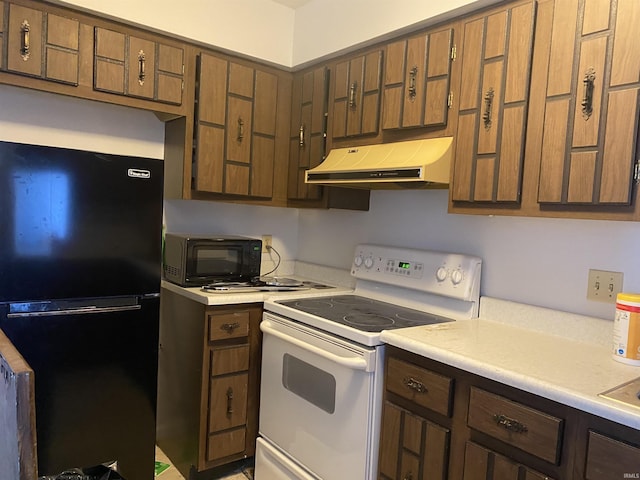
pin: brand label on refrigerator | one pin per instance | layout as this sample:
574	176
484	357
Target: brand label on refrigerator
137	173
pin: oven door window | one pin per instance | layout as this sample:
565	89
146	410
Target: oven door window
310	383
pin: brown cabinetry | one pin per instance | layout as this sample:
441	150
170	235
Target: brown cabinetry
417	81
41	44
494	91
307	146
208	382
127	65
591	104
235	131
442	422
410	445
356	95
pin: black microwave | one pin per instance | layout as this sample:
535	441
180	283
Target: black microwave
192	261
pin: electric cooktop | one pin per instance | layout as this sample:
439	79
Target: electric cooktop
363	313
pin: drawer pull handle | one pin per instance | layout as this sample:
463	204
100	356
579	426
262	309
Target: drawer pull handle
352	94
415	385
229	402
141	67
408	476
301	135
25	47
412	83
229	327
587	100
510	424
240	129
488	104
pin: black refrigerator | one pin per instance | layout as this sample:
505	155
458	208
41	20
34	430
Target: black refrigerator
80	263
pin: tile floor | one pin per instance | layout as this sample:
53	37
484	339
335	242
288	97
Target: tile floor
172	473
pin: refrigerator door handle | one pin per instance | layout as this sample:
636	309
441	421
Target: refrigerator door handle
75	311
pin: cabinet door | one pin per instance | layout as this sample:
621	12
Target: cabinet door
42	44
2	33
356	99
483	464
235	131
591	111
412	447
496	61
137	67
308	131
417	81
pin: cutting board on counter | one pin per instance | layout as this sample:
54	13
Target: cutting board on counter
18	455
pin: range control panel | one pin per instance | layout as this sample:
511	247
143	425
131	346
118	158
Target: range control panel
449	274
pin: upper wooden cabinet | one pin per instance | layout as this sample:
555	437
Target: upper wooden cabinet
307	146
417	81
127	65
41	44
494	91
591	104
356	95
235	128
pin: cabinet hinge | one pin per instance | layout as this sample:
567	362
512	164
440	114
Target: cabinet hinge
454	52
450	100
636	172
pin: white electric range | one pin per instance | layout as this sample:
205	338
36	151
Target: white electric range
323	361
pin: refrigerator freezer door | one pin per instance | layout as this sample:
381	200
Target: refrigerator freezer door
78	224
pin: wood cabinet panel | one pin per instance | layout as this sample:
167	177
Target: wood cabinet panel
223	326
356	97
226	360
412	447
226	444
240	103
142	65
136	67
593	114
307	131
608	458
2	34
531	430
228	402
42	44
496	61
425	388
483	464
417	81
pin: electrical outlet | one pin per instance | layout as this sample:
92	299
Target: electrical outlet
604	286
266	242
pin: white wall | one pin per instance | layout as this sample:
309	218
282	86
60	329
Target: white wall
257	28
270	31
537	261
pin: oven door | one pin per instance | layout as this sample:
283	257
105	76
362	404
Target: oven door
320	400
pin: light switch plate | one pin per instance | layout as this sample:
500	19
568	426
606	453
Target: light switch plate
604	286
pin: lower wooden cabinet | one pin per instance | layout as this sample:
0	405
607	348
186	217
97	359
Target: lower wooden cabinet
440	422
208	382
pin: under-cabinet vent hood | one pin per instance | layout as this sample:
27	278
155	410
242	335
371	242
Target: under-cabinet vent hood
411	164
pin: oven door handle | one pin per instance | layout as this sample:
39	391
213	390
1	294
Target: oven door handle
358	363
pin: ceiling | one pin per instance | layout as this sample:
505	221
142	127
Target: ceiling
292	3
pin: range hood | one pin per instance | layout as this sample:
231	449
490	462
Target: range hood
410	164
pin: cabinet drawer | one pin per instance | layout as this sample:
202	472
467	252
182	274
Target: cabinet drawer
224	444
228	402
223	326
608	458
229	360
528	429
421	386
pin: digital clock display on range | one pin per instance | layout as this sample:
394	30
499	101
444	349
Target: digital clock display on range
405	265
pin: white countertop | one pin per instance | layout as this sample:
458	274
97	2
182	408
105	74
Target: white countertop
207	298
532	359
